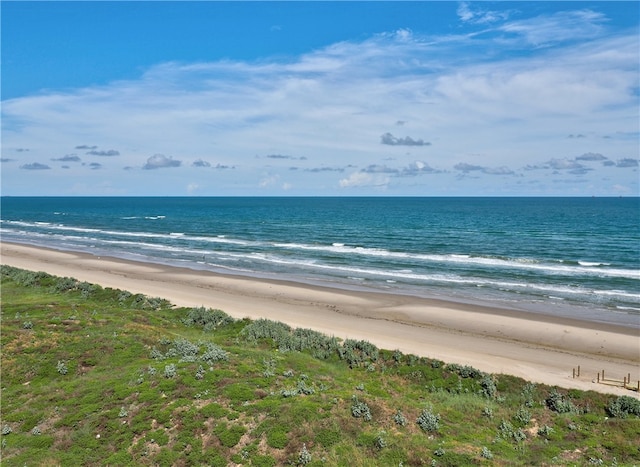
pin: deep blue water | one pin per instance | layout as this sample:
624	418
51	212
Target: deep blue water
565	256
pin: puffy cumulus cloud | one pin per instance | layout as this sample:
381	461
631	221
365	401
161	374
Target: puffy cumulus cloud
86	146
107	153
35	166
200	163
95	166
391	140
159	161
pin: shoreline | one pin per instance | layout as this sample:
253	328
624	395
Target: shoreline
537	347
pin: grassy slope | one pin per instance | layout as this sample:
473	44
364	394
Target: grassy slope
87	380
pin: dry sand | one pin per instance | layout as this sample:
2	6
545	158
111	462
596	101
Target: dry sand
538	347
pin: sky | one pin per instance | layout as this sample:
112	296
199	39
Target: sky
320	98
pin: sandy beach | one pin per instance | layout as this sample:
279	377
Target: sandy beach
538	347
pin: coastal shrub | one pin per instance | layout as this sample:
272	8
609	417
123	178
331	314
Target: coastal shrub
360	409
214	354
545	430
156	354
170	371
465	371
523	416
507	431
304	456
399	418
624	406
488	386
183	348
486	453
559	402
287	339
428	421
528	392
269	367
26	278
207	318
356	352
265	329
380	441
62	367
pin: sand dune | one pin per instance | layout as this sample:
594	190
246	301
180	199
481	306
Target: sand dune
537	347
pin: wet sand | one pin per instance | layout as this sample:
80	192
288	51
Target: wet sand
538	347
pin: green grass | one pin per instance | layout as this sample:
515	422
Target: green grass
259	393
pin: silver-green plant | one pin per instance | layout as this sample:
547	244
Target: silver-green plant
399	418
486	453
360	409
304	457
429	421
170	371
380	441
62	367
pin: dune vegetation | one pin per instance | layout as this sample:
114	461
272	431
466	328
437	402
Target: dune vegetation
97	376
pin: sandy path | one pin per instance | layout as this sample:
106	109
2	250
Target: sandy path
536	347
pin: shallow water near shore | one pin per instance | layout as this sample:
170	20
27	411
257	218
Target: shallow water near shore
566	256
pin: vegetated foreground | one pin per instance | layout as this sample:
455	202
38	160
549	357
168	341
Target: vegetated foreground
94	376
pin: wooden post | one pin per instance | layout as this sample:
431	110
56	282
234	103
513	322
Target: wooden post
574	372
602	375
578	371
624	381
638	385
598	377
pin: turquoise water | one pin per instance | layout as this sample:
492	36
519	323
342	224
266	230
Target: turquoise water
564	256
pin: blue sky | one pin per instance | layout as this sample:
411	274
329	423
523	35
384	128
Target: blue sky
320	98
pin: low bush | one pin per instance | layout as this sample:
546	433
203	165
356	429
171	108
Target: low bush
624	406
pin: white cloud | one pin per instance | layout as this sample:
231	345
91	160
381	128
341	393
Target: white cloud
364	179
328	108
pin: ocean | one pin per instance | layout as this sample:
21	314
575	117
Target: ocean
575	257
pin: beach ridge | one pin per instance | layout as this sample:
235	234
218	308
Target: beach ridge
535	346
